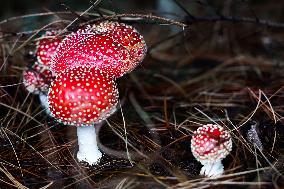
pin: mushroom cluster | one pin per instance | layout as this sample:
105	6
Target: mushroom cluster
86	64
75	78
209	145
38	76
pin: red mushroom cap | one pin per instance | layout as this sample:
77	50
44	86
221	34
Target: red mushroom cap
127	36
47	46
114	52
82	96
211	143
37	78
85	48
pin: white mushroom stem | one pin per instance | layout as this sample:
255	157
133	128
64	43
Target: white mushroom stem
44	103
88	148
212	169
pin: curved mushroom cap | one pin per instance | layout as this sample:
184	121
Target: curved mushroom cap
85	48
211	143
82	96
46	47
37	78
127	36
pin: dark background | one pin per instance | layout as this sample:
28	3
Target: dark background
16	7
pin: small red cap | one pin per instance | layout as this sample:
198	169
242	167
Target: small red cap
46	47
211	143
38	78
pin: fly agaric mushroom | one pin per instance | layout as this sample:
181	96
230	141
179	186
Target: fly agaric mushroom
98	49
127	36
46	47
83	96
87	48
209	145
37	80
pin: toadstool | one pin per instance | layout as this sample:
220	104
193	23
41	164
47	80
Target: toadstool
87	48
37	79
47	46
98	49
83	96
209	145
127	36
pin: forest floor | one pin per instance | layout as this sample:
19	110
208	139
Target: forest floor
227	73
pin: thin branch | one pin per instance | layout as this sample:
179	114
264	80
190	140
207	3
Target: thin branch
183	24
140	17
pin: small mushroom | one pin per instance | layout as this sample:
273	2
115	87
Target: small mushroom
37	79
47	46
83	96
209	145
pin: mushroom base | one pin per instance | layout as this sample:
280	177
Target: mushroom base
212	169
44	103
88	148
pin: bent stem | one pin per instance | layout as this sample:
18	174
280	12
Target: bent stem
88	147
212	169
